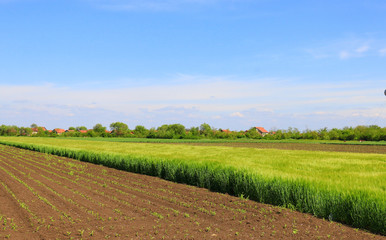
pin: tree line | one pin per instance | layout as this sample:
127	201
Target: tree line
179	131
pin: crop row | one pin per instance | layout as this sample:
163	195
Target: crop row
91	194
76	204
356	208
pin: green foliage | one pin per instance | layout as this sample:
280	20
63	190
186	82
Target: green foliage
178	131
140	131
206	130
25	131
253	134
119	128
98	128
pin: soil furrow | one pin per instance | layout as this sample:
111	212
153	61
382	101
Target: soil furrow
132	206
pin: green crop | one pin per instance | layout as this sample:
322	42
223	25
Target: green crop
345	187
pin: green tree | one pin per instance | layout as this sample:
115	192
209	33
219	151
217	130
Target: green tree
176	130
34	125
99	128
253	133
81	128
25	131
206	129
193	133
41	132
333	134
152	133
140	131
162	131
119	128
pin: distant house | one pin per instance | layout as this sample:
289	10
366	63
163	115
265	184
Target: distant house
261	130
59	131
36	130
225	131
83	131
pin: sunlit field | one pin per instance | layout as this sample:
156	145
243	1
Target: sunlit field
345	187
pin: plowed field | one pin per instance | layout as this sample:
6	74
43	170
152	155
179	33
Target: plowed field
303	146
48	197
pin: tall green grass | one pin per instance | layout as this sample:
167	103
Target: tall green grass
345	187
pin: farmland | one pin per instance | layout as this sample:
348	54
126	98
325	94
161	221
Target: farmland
51	197
345	187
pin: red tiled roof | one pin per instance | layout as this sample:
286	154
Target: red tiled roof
261	129
83	131
37	129
59	130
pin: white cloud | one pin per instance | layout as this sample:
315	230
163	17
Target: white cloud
347	48
237	114
362	49
241	102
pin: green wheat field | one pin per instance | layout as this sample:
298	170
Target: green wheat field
339	186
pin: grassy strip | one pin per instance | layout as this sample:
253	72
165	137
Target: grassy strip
356	207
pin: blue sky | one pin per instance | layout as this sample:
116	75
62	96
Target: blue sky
231	63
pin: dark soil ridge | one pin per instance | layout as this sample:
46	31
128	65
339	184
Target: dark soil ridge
101	203
302	146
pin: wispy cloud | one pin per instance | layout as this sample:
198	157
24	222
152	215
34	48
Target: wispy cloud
237	114
344	55
347	48
382	52
241	103
362	49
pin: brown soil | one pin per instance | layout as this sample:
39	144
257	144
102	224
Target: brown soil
303	146
49	197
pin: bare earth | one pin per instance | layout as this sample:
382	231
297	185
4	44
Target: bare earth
304	146
49	197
